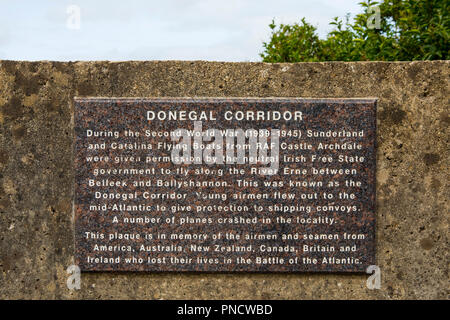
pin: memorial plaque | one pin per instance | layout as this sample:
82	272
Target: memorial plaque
225	184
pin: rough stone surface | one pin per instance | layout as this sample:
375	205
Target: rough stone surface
36	176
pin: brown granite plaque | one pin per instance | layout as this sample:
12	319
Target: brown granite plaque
225	184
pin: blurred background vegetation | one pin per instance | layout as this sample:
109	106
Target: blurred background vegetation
404	30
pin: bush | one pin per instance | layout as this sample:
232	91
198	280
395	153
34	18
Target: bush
407	30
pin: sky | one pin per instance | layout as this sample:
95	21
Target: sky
219	30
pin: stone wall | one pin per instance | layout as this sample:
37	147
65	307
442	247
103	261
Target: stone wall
36	176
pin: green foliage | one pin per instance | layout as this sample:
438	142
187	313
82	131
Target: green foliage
298	42
407	30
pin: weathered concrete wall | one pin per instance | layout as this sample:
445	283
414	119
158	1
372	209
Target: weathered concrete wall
36	174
